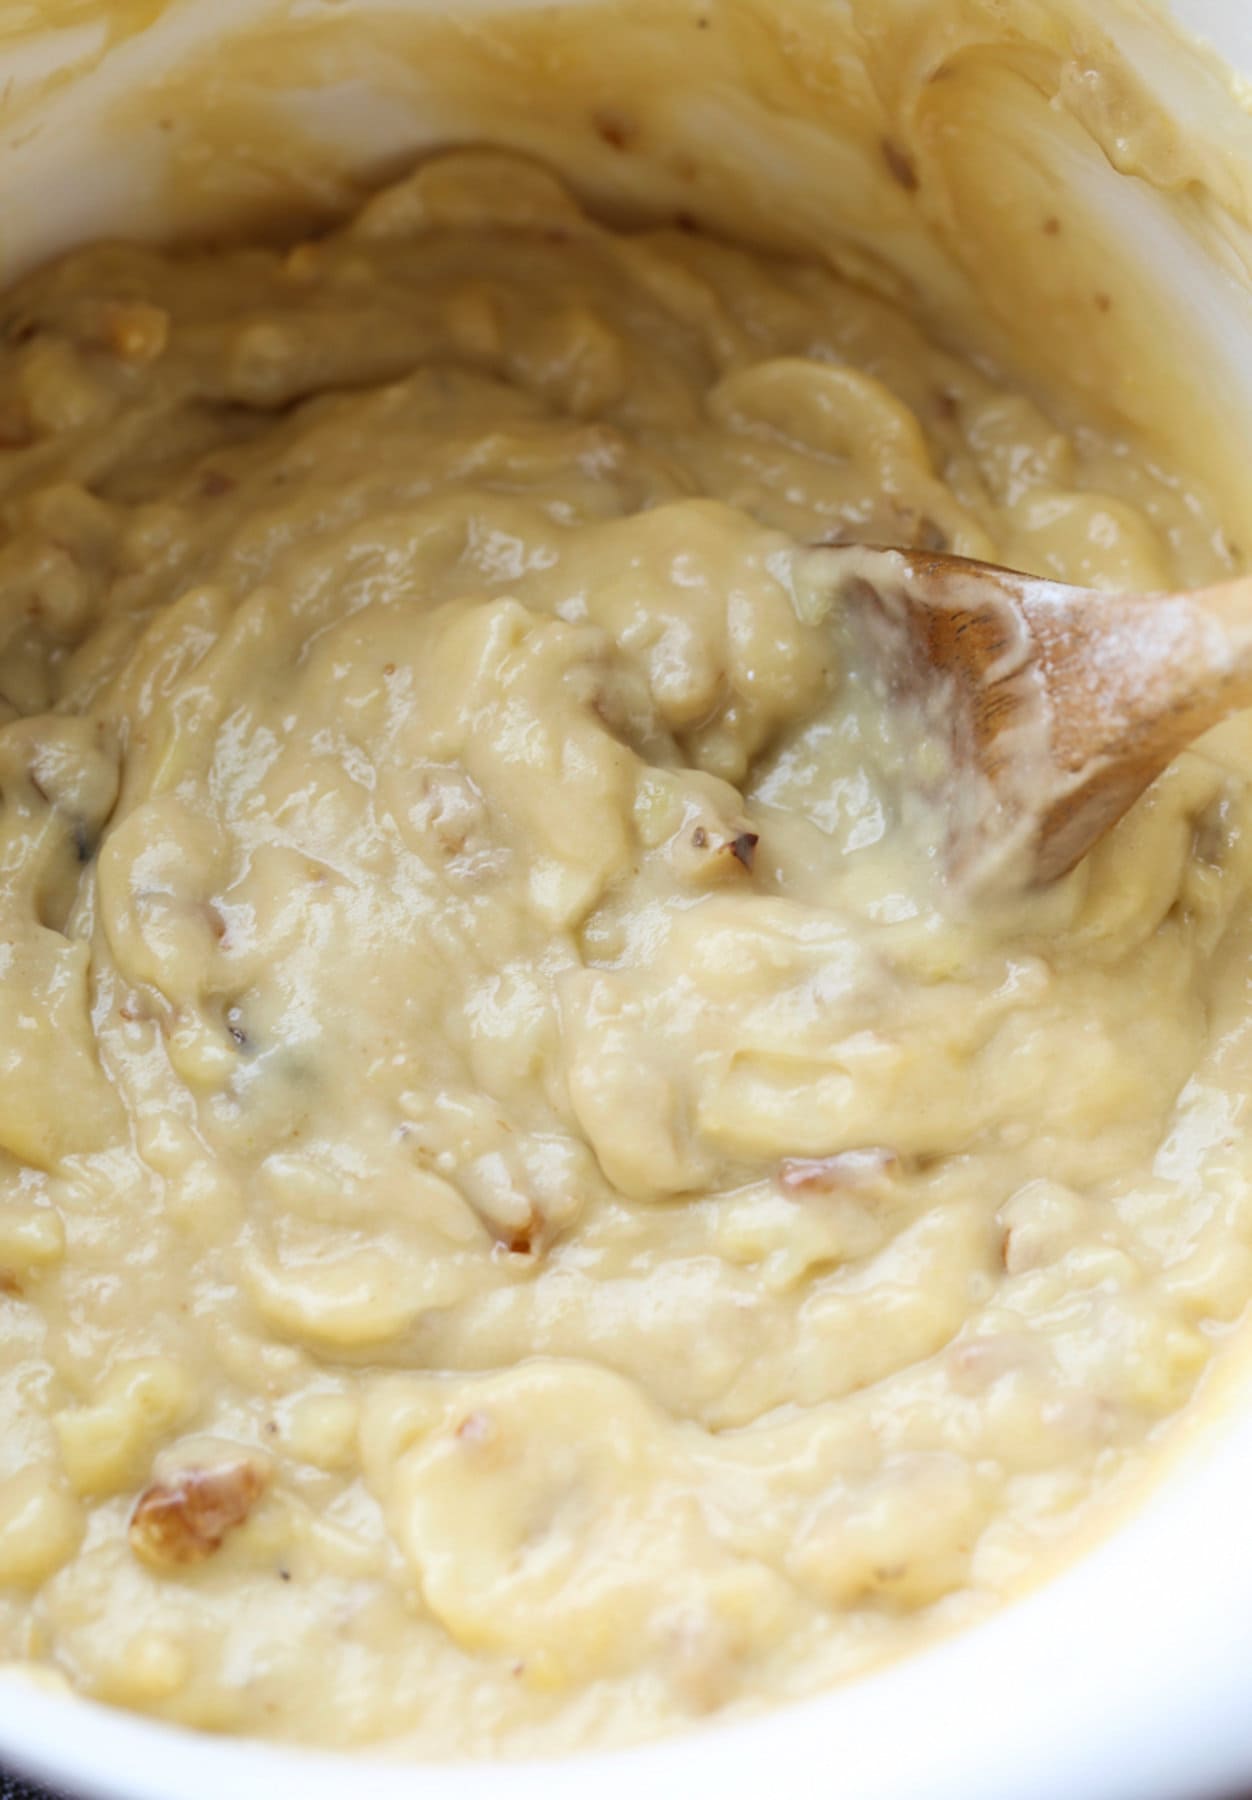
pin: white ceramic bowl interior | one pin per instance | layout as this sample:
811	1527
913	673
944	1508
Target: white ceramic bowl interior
1126	1677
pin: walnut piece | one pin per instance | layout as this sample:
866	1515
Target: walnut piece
712	852
180	1522
870	1170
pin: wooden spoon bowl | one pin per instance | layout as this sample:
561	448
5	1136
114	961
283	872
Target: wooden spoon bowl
1060	704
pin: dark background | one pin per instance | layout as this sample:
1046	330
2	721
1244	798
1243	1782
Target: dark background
13	1789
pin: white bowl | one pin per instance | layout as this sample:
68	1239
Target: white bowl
1126	1676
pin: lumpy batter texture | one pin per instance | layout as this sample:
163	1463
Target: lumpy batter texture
526	1216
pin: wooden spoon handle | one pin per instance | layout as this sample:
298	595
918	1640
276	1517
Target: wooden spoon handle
1132	680
1141	675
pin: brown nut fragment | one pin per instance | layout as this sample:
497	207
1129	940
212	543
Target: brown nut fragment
617	129
900	165
743	848
523	1241
476	1430
518	1237
181	1522
864	1170
710	852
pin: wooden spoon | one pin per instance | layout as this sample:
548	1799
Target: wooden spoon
1059	704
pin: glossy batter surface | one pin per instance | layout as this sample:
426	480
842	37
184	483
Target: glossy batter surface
525	1217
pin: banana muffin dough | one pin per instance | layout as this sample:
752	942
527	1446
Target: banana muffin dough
526	1217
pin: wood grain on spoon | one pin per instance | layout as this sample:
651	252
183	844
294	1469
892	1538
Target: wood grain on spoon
1062	704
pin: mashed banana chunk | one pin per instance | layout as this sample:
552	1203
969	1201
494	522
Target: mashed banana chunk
525	1215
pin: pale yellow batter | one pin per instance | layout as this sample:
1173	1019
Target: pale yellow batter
525	1217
